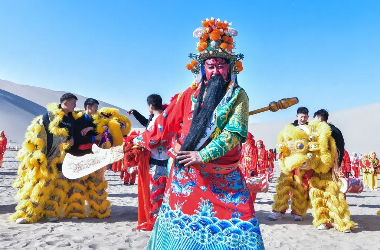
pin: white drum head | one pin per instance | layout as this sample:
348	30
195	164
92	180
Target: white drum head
344	186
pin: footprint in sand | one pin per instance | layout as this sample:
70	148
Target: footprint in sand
78	240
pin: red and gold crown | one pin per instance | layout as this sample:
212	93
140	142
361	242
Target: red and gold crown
215	40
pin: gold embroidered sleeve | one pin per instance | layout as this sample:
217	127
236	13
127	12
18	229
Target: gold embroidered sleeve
232	134
220	146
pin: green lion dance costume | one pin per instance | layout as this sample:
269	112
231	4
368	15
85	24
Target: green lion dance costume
311	148
43	191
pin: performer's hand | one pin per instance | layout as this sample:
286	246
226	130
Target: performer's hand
71	141
130	112
85	130
189	158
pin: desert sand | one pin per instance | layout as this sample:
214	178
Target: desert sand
118	231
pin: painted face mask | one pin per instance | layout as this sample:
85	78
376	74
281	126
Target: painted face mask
216	66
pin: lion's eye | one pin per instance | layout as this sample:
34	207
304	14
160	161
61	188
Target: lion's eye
300	146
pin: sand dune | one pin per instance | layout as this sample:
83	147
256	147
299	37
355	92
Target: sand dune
19	104
16	114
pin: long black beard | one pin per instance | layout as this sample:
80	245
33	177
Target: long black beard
216	89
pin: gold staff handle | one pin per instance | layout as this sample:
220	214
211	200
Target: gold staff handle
275	106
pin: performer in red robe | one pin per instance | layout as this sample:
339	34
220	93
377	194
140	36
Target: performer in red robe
3	146
355	164
248	160
345	167
271	160
157	163
207	204
129	175
262	162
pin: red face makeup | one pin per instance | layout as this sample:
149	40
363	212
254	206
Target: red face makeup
216	66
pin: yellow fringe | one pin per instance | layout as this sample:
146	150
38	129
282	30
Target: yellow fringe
300	202
77	185
94	194
328	203
117	136
283	189
93	205
101	186
113	123
78	114
75	209
95	214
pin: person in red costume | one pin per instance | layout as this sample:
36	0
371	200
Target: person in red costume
270	160
345	166
355	163
206	196
248	160
262	158
3	146
129	175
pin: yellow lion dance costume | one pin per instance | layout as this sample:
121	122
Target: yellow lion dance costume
93	187
42	190
311	147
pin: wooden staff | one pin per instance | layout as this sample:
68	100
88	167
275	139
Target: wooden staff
275	106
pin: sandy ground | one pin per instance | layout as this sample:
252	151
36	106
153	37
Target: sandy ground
118	231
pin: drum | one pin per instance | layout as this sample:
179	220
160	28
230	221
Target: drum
351	185
257	184
270	177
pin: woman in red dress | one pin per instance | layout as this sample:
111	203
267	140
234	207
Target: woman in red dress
3	146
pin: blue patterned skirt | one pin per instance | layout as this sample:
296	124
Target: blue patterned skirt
175	230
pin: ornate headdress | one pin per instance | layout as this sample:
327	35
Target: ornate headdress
215	40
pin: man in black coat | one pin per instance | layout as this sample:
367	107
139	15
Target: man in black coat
91	187
322	115
85	130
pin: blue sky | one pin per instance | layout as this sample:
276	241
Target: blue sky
327	53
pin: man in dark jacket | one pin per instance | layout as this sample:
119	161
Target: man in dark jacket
85	130
322	115
91	187
67	105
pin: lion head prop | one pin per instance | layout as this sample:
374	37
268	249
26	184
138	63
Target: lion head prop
307	147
